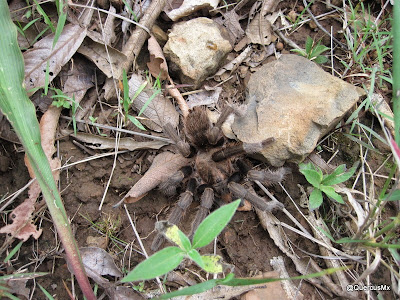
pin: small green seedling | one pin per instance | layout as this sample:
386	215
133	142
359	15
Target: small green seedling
62	100
169	258
313	51
127	102
324	183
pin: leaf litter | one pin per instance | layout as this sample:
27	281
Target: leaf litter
258	31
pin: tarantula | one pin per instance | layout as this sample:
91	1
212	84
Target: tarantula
215	169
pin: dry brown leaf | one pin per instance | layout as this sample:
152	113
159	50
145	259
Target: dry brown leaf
204	98
99	261
107	35
157	65
190	6
101	142
230	20
159	112
271	291
22	227
43	53
78	79
164	165
260	31
97	53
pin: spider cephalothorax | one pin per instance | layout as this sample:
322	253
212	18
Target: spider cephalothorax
216	170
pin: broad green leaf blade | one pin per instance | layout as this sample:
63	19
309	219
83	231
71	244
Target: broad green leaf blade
330	191
213	264
318	50
213	224
196	257
340	177
395	196
156	265
174	235
320	59
315	199
313	176
339	170
309	43
300	52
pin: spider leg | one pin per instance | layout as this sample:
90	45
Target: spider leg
259	202
168	187
214	134
185	199
183	147
241	149
268	177
206	201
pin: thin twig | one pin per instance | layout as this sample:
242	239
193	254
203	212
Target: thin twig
141	245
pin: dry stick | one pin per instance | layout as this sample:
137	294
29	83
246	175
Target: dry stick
158	138
135	43
141	245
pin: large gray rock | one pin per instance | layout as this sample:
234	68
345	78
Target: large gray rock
196	48
296	102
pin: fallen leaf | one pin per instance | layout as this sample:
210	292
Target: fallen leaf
97	53
204	98
99	261
159	112
157	65
18	286
107	35
101	142
43	54
260	30
230	20
190	6
22	227
164	165
78	79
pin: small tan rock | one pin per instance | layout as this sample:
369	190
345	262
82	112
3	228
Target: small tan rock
196	48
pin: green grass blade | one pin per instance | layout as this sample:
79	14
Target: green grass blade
47	294
396	69
21	113
13	251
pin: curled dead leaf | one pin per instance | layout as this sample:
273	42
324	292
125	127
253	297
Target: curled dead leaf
157	65
164	164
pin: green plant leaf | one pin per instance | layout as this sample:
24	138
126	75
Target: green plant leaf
339	170
318	49
330	191
315	199
213	264
313	176
300	52
174	235
340	175
213	224
197	258
309	43
158	264
320	59
136	122
395	196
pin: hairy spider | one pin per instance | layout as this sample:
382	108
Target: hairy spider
215	171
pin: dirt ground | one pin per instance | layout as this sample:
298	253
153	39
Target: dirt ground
243	243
